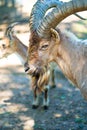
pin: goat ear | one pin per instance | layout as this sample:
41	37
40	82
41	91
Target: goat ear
55	35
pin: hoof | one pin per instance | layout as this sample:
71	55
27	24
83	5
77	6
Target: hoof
53	86
34	106
45	107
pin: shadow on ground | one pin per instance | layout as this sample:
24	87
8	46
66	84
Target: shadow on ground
67	110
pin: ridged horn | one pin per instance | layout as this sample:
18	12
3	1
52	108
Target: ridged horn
58	14
42	23
39	10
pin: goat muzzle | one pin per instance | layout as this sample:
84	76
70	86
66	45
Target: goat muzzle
35	71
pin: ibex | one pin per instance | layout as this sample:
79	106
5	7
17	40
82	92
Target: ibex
12	44
47	43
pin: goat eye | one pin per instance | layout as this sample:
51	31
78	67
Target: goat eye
44	47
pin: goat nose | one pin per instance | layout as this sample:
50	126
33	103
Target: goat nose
2	46
26	69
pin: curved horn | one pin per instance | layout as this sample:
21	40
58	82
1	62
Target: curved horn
51	20
39	10
11	26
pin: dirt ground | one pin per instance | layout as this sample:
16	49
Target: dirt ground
67	109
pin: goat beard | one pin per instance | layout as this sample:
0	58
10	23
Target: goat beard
41	80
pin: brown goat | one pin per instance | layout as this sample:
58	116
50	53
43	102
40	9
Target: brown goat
69	52
48	43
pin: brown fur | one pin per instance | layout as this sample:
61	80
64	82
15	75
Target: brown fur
68	52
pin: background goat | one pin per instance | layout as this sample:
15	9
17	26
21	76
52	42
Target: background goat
39	82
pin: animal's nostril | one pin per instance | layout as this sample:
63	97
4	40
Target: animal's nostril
3	45
26	69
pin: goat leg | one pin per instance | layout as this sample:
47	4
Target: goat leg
36	98
52	79
46	98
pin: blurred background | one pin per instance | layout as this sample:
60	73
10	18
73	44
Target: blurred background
68	110
13	11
